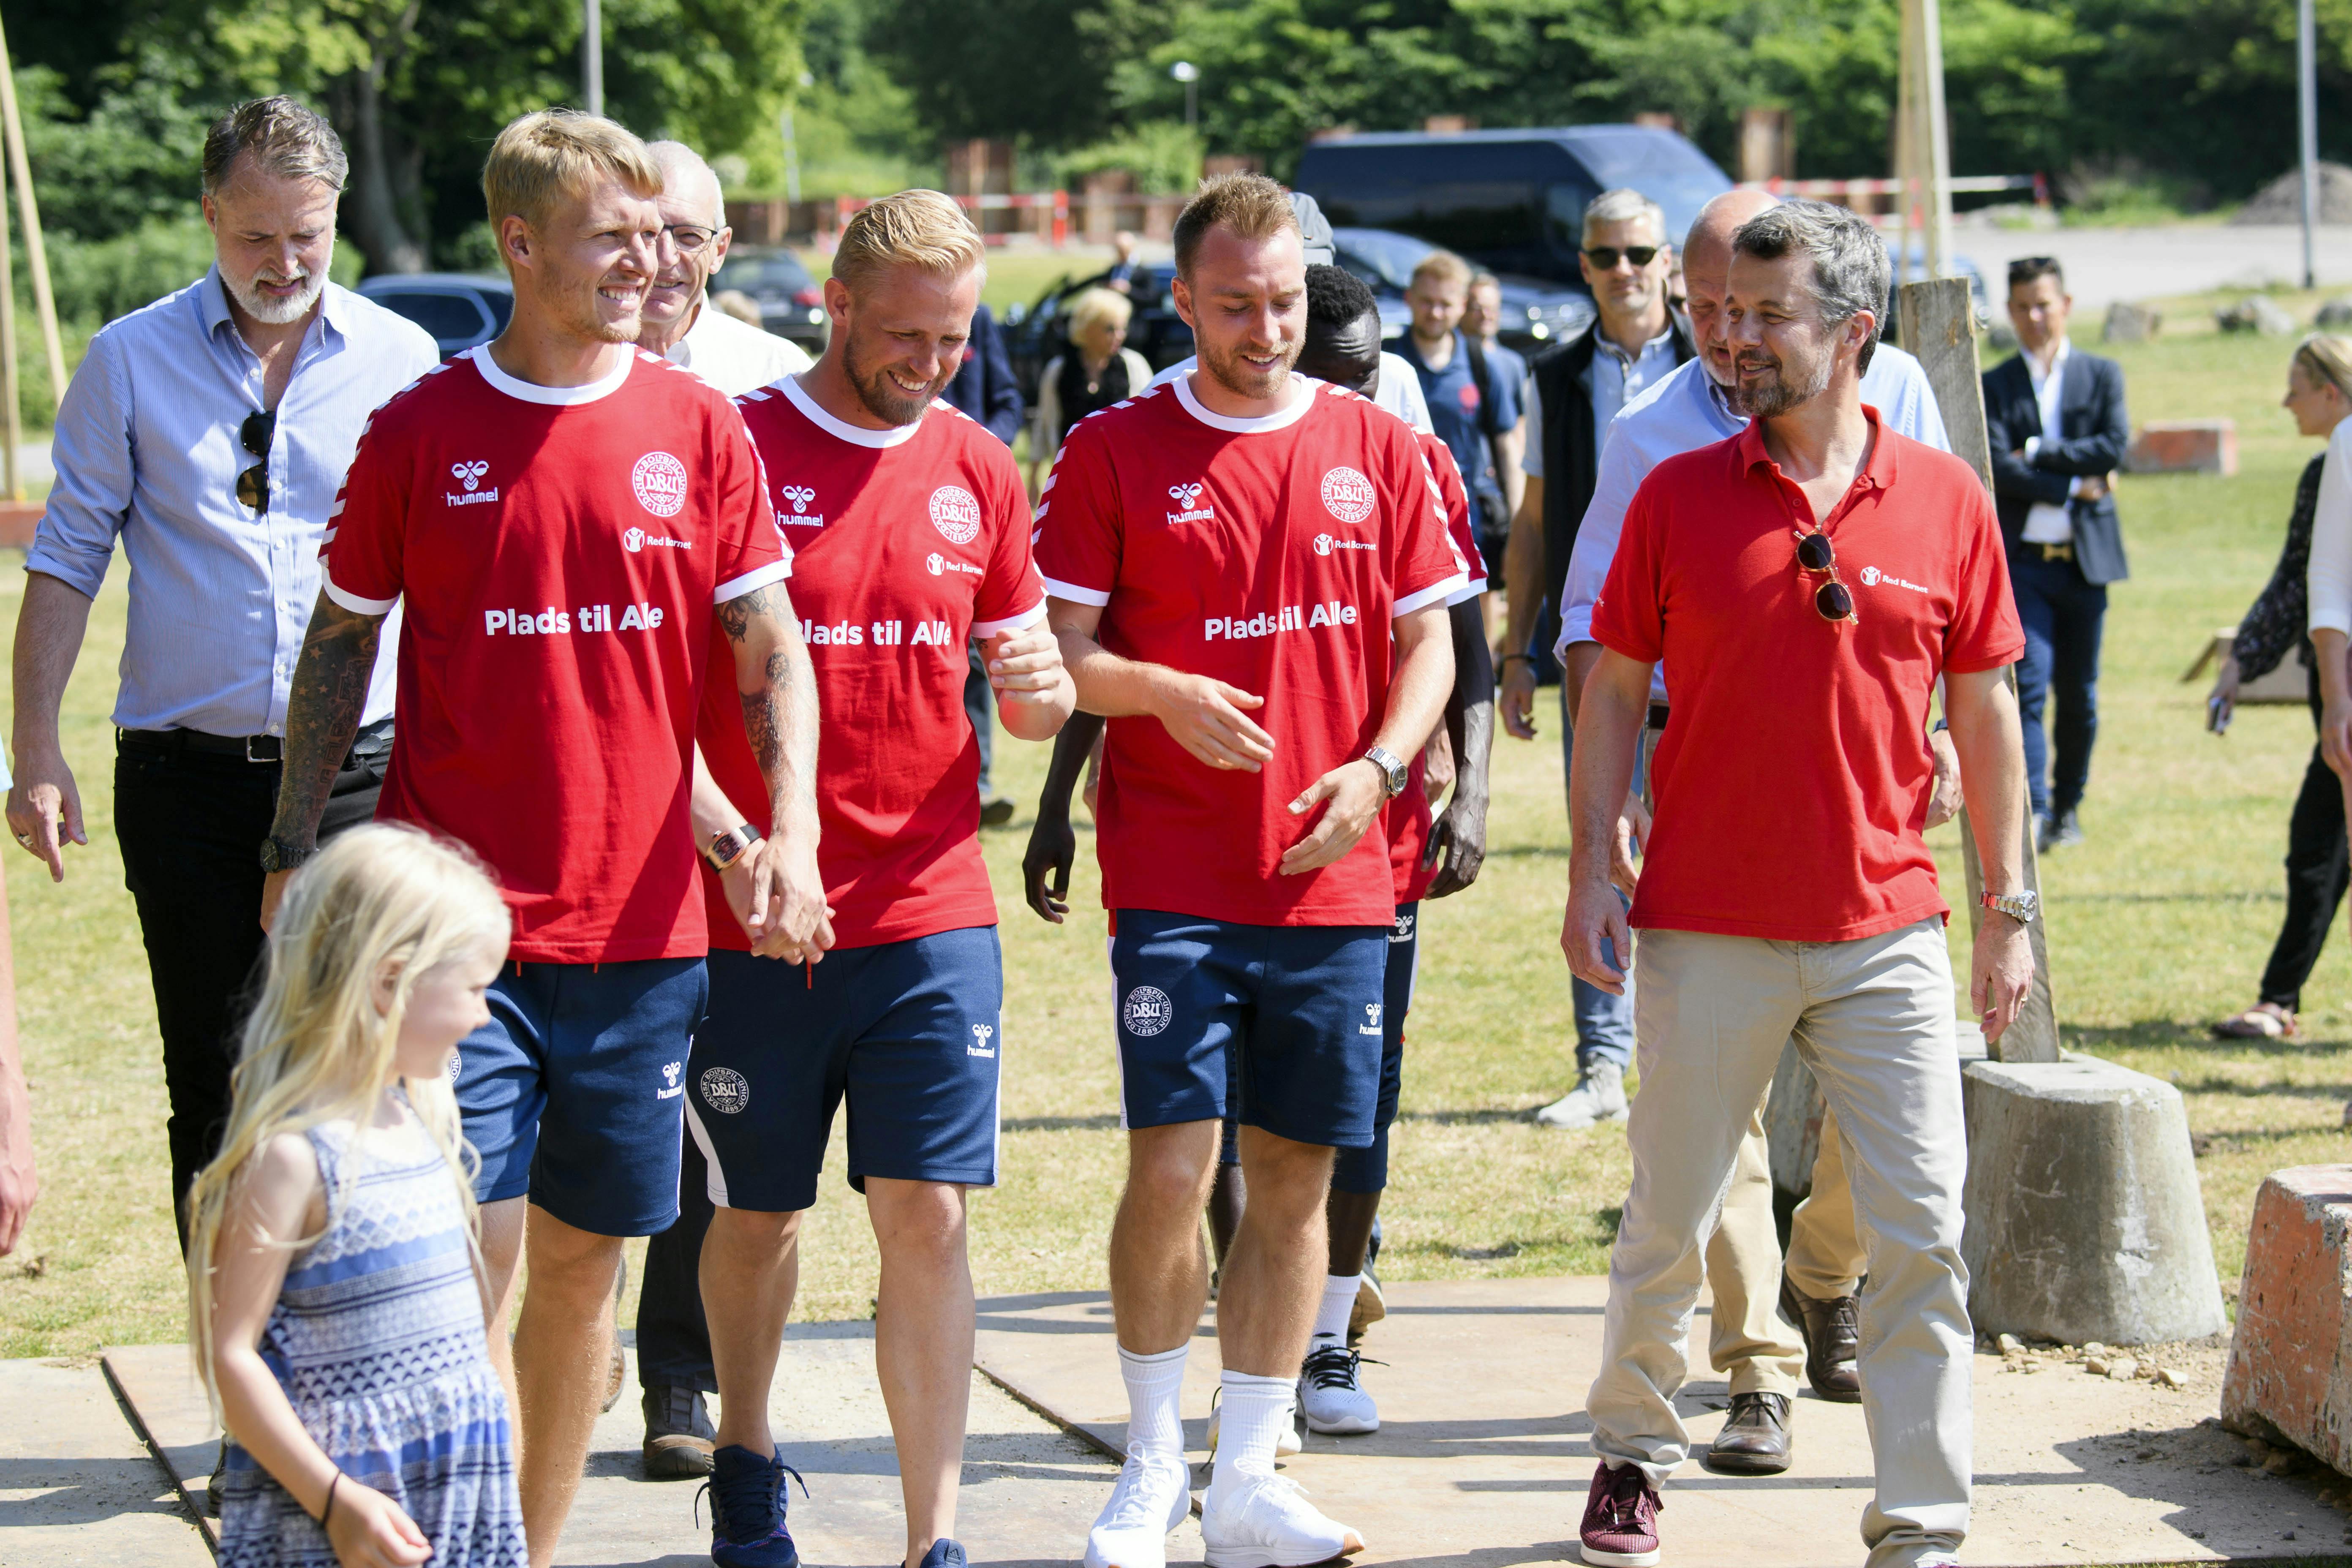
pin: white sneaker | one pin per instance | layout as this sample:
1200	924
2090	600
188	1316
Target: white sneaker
1599	1096
1265	1521
1288	1444
1333	1396
1153	1495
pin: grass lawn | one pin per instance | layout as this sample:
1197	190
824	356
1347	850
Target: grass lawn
2161	922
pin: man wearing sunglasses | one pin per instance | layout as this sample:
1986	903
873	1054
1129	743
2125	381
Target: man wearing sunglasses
1824	573
1747	1345
680	321
208	434
1633	343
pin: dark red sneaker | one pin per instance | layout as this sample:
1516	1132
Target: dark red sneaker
1620	1519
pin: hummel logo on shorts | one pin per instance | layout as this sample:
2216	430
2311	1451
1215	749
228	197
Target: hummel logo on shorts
980	1034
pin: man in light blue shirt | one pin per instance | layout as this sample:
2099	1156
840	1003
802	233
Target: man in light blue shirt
1691	408
210	432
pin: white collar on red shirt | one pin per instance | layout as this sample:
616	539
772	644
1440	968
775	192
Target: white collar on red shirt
856	434
553	396
1302	391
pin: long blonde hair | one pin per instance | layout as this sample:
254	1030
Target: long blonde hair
316	1049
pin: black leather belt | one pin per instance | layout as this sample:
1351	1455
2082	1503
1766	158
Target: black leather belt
2054	552
1657	716
371	742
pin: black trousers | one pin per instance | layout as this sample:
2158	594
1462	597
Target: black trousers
191	827
673	1337
2318	870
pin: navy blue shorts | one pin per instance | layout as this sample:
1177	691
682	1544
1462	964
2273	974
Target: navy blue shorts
571	1092
1366	1170
1301	1006
910	1031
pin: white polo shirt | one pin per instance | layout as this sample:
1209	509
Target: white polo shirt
735	356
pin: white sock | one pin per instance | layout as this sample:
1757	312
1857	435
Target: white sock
1254	1411
1155	1385
1339	1306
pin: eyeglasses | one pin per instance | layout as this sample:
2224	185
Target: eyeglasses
690	238
253	485
1832	598
1604	257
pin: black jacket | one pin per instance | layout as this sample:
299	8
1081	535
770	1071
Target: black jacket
983	386
1571	460
2096	431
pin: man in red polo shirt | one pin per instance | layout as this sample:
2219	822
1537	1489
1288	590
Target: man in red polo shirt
567	519
1227	559
1805	584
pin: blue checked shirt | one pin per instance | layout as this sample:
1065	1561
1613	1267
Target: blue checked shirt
147	447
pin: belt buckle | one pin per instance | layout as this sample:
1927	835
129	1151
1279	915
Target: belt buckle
271	740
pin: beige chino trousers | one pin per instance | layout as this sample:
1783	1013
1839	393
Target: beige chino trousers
1873	1020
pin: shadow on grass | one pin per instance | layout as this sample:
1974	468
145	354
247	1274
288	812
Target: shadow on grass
2158	1034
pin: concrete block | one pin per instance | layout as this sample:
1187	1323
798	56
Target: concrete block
2084	1217
2335	315
17	520
2291	1358
2185	447
2128	323
2255	313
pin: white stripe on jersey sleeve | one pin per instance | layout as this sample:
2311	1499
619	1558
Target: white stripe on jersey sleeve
1075	594
1432	595
773	571
1022	622
354	602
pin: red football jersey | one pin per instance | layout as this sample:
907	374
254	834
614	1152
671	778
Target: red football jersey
1271	554
905	544
1408	818
559	550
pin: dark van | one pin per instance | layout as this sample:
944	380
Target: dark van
1511	201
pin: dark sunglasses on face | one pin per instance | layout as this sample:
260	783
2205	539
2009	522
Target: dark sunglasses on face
253	485
1604	257
1832	598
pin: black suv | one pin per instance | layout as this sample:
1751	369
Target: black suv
791	299
1536	311
1511	201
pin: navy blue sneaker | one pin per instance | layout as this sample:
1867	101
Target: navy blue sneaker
944	1554
747	1510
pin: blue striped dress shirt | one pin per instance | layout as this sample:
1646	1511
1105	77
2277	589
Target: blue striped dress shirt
147	447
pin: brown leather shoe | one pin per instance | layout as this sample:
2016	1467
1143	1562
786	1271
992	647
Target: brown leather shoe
679	1435
1831	1341
1754	1438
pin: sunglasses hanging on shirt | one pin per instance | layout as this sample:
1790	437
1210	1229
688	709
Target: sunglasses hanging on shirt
1832	598
253	485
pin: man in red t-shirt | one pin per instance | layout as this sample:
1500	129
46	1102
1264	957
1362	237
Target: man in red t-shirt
1805	584
910	529
569	521
1248	574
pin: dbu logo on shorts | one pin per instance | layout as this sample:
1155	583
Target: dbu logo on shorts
1148	1011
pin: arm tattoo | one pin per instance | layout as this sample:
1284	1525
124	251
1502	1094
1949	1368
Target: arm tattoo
322	713
779	711
738	615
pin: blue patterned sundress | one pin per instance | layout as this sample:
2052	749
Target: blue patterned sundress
377	1339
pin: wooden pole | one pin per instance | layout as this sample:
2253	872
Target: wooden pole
1939	326
13	423
37	254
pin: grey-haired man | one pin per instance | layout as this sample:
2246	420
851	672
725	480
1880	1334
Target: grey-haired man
218	475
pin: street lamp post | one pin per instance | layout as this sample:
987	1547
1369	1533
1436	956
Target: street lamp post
591	57
1189	74
2307	79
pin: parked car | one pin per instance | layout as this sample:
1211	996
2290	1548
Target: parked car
1536	311
1034	332
1510	201
460	309
791	300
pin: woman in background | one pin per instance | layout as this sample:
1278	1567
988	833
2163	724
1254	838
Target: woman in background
2319	394
1098	370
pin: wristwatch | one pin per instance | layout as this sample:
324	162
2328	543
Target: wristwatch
2019	907
276	855
1393	772
726	848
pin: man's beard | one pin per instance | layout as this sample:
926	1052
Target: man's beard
1243	379
1771	398
278	312
883	397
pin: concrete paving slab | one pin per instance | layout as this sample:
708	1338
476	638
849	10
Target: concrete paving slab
1483	1458
169	1412
77	1489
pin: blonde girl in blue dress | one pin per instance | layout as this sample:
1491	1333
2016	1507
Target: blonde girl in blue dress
336	1299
